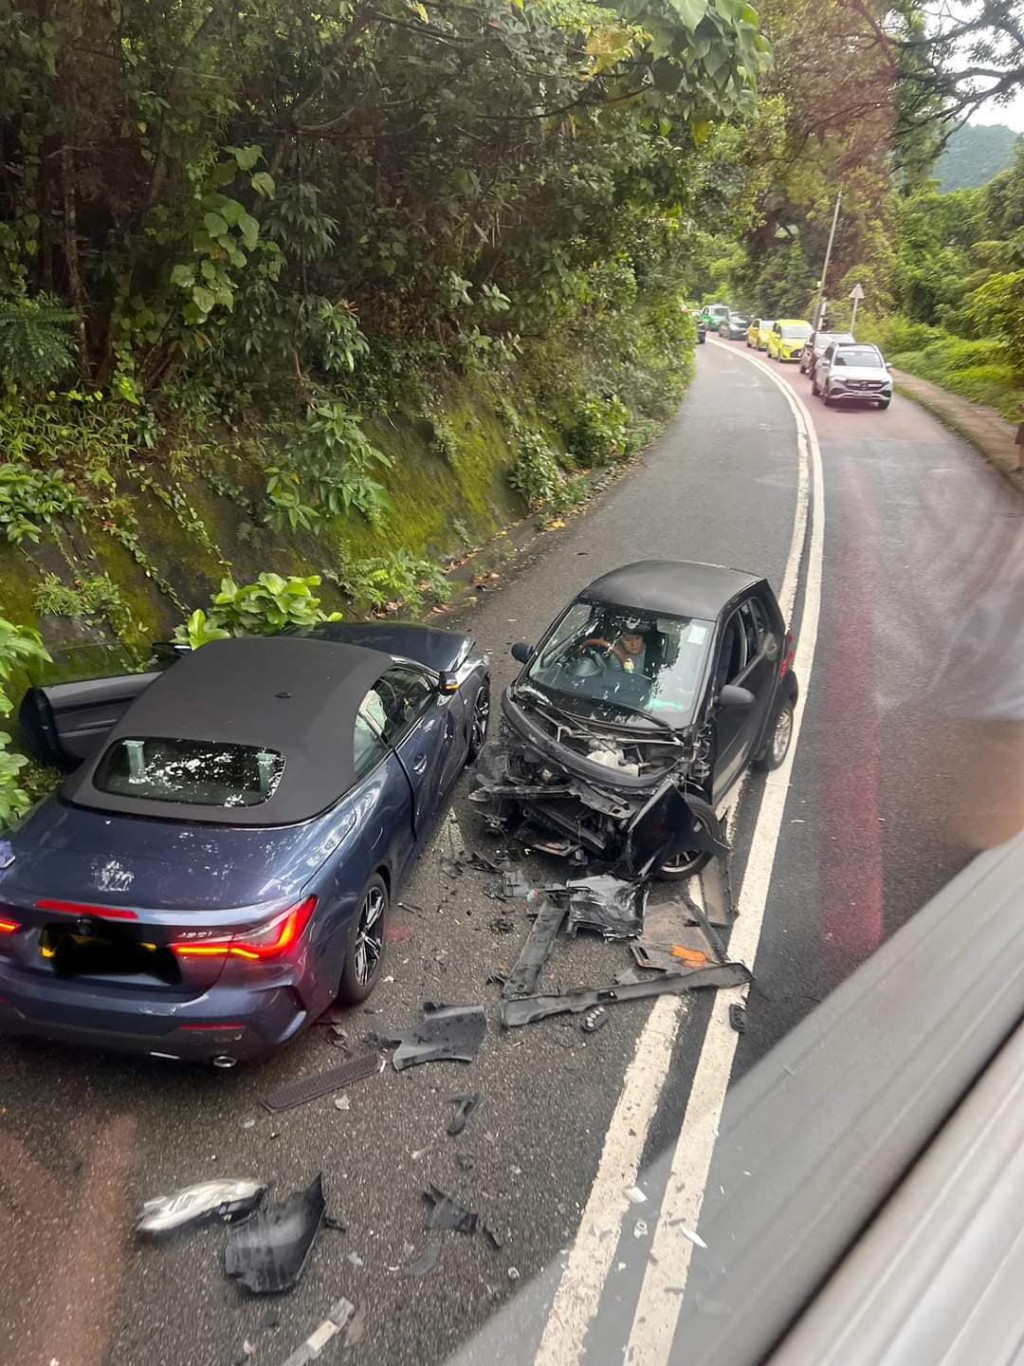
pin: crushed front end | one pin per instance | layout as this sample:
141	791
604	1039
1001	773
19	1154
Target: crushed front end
595	788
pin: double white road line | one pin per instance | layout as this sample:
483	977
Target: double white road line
589	1261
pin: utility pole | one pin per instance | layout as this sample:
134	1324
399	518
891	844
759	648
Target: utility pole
828	257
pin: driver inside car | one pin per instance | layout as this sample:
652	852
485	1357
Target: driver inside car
627	651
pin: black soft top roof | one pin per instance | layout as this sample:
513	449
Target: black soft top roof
677	588
280	693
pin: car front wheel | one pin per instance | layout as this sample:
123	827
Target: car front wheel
688	862
481	718
366	945
827	397
814	388
773	755
884	403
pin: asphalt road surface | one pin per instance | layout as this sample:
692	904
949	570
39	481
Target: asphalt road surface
905	766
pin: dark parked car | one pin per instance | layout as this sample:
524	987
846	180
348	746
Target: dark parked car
217	868
661	680
734	327
815	348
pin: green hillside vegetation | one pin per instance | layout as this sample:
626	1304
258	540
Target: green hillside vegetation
974	154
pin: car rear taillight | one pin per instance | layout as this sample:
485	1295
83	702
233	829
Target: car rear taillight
8	926
257	945
787	658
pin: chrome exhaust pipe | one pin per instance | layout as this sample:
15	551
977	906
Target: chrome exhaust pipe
223	1060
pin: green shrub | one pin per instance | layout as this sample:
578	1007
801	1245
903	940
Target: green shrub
95	597
256	609
327	471
398	579
19	649
535	473
598	430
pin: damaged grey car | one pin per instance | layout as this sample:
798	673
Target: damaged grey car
642	706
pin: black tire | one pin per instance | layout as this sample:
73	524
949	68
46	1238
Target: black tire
814	388
883	404
361	973
685	866
479	721
773	755
826	398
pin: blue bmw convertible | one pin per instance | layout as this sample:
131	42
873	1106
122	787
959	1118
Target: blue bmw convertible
216	869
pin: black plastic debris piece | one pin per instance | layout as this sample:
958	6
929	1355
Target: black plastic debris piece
491	1236
738	1018
446	1213
502	924
322	1083
338	1316
333	1223
530	1008
426	1261
610	906
464	1107
446	1034
465	1162
594	1019
268	1253
717	889
222	1199
535	952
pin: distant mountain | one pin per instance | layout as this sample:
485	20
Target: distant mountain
974	154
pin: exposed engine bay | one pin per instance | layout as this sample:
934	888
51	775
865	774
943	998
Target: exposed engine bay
599	792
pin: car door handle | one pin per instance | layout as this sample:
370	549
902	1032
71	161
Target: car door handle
419	763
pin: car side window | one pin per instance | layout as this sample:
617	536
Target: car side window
405	693
732	654
369	743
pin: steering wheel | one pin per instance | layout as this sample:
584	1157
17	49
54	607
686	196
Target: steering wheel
602	654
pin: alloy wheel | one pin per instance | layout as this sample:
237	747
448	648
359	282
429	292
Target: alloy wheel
782	735
369	943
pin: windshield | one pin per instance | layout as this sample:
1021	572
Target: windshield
865	357
796	330
637	660
740	319
193	772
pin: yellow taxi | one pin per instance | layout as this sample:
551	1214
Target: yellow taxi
757	333
787	337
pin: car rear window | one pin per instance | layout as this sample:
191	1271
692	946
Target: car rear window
190	772
796	330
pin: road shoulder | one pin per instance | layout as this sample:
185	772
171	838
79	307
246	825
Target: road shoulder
985	429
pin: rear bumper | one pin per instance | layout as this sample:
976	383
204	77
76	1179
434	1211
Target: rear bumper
234	1022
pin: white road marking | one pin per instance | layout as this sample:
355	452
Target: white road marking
660	1302
578	1294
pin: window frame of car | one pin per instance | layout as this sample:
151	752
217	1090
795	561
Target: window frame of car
431	693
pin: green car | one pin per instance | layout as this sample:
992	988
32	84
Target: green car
714	315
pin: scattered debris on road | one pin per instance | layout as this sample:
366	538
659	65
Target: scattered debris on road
223	1199
693	1237
522	980
445	1034
339	1314
305	1089
738	1017
342	1102
635	1195
594	1019
268	1253
464	1107
527	1009
607	905
426	1261
446	1213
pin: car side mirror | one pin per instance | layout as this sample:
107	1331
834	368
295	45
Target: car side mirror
732	695
447	683
522	652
